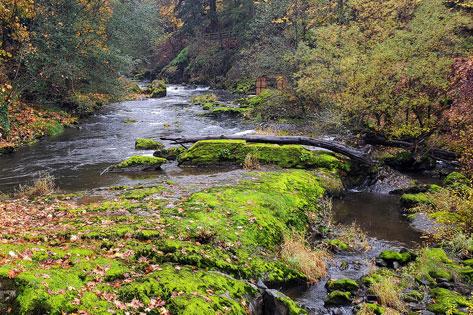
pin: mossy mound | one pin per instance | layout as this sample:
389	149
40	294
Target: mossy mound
157	89
143	162
214	152
148	144
349	285
448	302
199	256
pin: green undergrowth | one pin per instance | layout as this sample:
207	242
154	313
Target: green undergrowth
209	152
134	252
424	279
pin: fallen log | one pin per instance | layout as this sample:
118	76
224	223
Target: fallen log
438	154
354	154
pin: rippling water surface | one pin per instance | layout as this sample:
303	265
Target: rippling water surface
78	156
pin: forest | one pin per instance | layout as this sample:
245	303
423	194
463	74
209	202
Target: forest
236	157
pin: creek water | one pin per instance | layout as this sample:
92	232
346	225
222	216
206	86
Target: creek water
77	158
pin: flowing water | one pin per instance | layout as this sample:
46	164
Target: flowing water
78	156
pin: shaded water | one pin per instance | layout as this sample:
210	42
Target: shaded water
78	156
379	215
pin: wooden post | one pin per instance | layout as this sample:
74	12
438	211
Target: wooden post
261	84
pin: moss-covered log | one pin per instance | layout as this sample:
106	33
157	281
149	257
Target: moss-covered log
352	153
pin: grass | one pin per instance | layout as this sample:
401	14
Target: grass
388	291
42	186
251	162
299	255
354	236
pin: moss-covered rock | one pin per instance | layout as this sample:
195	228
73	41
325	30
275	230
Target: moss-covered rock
142	162
338	244
338	298
349	285
457	181
412	200
212	152
448	302
169	153
148	144
157	89
402	258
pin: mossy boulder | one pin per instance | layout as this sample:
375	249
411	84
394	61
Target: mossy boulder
215	152
148	144
349	285
412	200
171	153
157	89
448	302
402	258
141	162
338	298
338	245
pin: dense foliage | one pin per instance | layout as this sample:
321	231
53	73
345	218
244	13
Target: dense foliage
395	68
72	53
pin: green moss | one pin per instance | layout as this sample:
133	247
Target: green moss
338	244
207	101
146	161
169	153
141	193
412	200
235	151
198	292
392	256
373	308
157	89
448	302
148	144
413	296
197	257
292	307
342	285
338	298
181	59
433	264
457	181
